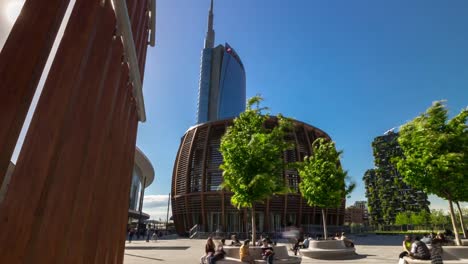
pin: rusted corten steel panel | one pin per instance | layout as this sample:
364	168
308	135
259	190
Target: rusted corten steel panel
196	198
35	169
113	165
141	19
71	170
110	187
132	13
97	158
22	60
121	210
77	158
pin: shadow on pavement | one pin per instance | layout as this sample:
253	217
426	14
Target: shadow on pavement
137	256
377	240
156	248
351	257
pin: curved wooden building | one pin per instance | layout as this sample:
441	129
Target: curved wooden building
198	200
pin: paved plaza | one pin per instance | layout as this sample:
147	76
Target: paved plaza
371	249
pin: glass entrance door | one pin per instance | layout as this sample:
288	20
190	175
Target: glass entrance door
214	221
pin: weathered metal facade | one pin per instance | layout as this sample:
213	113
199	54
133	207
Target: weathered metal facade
197	200
67	201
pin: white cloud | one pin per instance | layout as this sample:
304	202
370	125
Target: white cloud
156	206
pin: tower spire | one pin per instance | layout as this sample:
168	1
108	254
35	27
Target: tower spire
210	34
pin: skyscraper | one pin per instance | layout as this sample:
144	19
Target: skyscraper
386	192
198	202
222	86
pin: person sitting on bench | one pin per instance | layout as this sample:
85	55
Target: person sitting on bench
419	250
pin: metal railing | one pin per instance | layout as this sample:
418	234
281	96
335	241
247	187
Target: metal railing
194	231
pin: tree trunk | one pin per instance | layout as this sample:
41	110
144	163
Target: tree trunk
454	223
324	217
254	228
462	222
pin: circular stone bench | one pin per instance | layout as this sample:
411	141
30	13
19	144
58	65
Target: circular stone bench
464	242
281	255
328	249
451	254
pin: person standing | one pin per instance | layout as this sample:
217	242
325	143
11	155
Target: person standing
131	233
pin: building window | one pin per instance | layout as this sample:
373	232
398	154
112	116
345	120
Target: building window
135	190
232	223
275	222
293	182
259	220
291	219
214	221
213	180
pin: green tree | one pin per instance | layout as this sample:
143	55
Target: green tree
419	219
253	158
436	155
402	219
323	179
438	218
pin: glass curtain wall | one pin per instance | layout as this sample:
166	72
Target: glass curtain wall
135	190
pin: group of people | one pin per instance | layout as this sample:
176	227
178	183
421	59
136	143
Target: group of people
150	234
298	244
268	252
416	248
214	253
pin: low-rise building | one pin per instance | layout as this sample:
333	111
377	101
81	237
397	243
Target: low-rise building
143	176
357	213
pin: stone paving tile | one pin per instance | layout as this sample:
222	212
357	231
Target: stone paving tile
371	249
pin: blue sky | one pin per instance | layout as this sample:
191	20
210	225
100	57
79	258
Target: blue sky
352	68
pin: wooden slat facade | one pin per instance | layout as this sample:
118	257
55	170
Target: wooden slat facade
67	200
196	178
22	60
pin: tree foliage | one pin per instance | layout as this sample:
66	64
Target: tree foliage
436	154
421	218
438	218
253	156
322	177
402	218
